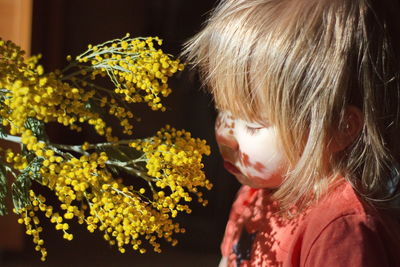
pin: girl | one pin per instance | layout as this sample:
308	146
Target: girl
309	99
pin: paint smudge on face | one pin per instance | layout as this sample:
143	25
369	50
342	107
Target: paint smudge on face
224	131
256	155
228	142
245	160
225	121
258	166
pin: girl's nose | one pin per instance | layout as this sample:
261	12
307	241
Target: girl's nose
227	142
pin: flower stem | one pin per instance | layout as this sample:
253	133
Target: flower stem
11	138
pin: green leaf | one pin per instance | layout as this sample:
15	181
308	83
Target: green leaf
33	168
37	127
88	105
20	188
3	190
20	192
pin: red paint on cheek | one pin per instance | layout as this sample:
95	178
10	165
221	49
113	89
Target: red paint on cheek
229	142
229	126
222	123
259	167
247	163
245	160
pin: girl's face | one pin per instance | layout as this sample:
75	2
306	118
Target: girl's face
252	152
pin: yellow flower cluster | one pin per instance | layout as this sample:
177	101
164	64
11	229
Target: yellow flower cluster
19	162
120	113
29	93
138	70
172	157
125	215
32	222
11	58
85	185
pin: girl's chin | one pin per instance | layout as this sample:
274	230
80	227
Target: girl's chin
256	182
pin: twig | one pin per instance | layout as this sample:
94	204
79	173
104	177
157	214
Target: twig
11	138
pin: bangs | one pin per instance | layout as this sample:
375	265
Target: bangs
227	54
240	101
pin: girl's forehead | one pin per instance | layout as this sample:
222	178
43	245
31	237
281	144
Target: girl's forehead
227	115
241	101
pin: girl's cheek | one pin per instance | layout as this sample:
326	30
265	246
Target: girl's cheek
261	154
251	163
252	166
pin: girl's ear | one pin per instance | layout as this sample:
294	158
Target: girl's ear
348	131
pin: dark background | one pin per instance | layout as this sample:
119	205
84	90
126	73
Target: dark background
66	27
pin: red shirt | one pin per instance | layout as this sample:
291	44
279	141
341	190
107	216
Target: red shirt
340	230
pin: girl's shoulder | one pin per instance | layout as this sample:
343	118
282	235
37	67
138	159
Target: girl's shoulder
343	201
341	222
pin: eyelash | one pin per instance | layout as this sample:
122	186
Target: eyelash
252	130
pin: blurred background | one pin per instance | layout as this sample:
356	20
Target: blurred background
57	28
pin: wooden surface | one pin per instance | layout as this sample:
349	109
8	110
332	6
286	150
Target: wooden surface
15	25
16	22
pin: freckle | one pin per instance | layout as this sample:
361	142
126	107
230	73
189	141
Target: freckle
259	167
233	125
245	159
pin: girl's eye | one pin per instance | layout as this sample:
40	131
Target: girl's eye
253	130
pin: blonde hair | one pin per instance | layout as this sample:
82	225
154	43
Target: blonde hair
299	64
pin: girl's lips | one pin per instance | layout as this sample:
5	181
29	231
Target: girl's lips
231	168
